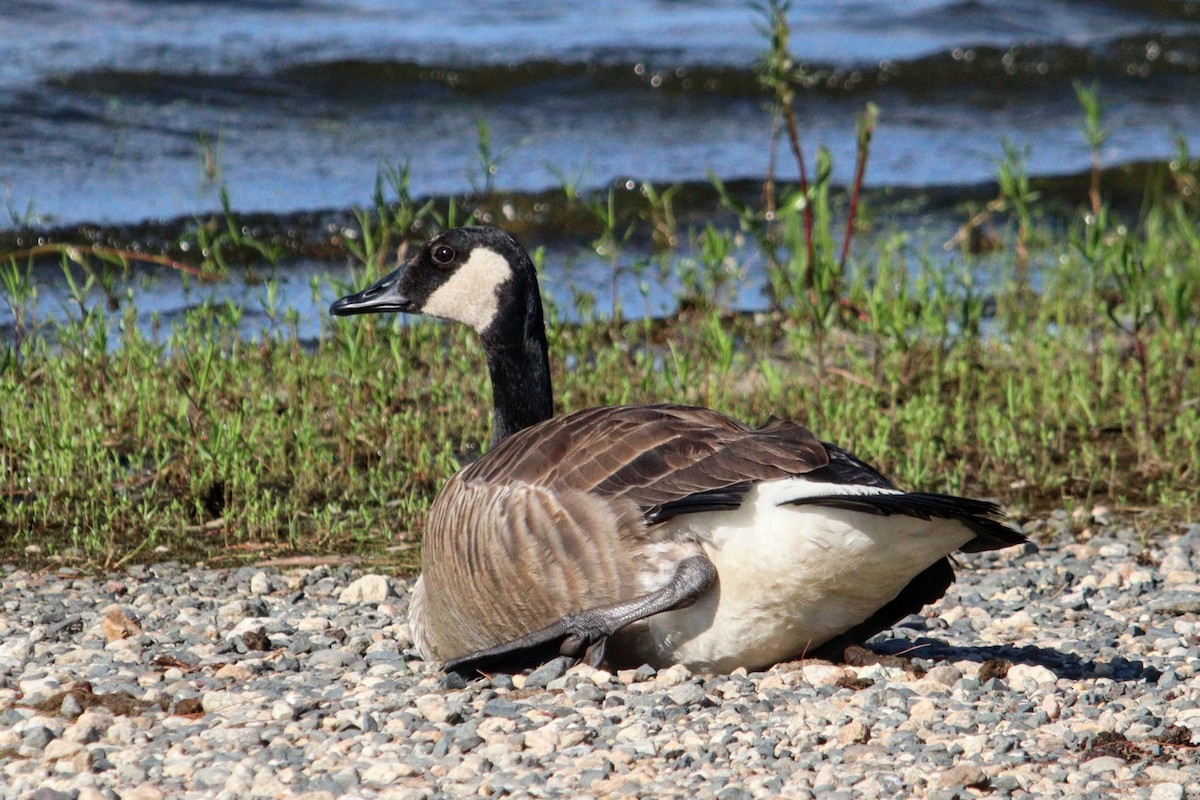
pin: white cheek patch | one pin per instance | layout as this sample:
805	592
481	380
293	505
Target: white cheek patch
471	294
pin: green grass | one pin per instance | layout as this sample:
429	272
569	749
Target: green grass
210	444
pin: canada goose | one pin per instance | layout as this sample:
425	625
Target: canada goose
655	534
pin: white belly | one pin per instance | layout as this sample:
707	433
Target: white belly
790	578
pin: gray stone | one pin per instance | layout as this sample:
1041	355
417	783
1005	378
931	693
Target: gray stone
1102	765
552	669
235	611
47	793
36	738
964	775
70	708
436	708
335	658
1177	603
944	674
260	584
1167	791
213	776
501	708
686	694
367	589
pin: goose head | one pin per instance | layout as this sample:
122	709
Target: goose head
482	278
477	276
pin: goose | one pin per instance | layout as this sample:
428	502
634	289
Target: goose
649	534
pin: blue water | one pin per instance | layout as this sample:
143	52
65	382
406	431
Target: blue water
106	105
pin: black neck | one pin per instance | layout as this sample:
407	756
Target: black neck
519	364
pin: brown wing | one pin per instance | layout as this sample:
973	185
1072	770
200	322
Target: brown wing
651	455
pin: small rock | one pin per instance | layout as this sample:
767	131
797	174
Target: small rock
37	738
1114	550
40	688
47	793
283	711
944	674
633	732
118	624
90	726
452	682
234	672
61	749
964	775
436	709
554	668
146	791
1176	602
1052	708
70	708
1019	623
542	741
367	589
499	707
823	674
308	624
219	702
380	774
260	584
854	733
602	677
1161	774
686	694
1167	791
189	706
923	710
235	611
211	777
1102	765
255	640
1029	678
878	672
334	658
673	675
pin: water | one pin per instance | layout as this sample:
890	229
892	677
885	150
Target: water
115	111
104	103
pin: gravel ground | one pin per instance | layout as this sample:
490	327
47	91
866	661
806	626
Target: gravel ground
1067	672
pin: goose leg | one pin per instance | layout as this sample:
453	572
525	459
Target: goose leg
586	632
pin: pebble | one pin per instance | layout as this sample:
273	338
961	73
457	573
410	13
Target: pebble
1167	791
856	732
686	694
1029	678
553	669
118	624
302	683
965	775
367	589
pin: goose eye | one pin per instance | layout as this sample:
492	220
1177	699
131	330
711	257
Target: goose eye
442	254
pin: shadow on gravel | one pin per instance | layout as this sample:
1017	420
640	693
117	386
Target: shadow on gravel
1064	665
